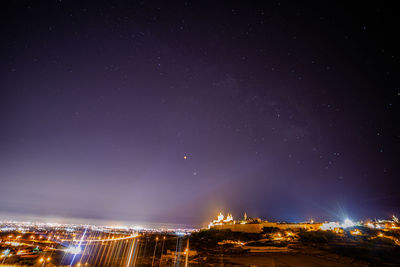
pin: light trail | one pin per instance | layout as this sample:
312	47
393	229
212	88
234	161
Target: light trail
104	249
134	254
99	240
130	253
79	245
162	251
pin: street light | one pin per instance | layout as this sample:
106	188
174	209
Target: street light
162	250
6	253
154	253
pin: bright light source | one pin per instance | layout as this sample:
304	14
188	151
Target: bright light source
137	227
370	225
73	250
6	252
179	233
329	226
356	232
348	223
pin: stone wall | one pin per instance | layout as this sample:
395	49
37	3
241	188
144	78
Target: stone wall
258	227
246	228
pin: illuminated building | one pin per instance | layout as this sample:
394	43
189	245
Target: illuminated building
255	225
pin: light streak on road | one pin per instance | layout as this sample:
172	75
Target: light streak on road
79	246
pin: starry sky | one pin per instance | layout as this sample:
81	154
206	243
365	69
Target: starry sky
170	112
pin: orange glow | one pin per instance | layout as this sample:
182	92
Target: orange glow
221	220
356	232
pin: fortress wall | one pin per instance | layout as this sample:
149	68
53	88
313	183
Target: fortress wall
246	228
258	227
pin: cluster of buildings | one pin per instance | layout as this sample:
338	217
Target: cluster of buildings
256	225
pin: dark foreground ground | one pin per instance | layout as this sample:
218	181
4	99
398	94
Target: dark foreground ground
286	259
301	248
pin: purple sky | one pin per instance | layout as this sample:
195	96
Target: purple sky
285	111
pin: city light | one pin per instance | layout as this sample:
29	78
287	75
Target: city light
222	220
91	238
73	250
330	226
6	252
348	223
356	232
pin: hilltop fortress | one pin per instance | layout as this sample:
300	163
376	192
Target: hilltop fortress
256	225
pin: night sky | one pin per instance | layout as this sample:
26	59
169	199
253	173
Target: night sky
170	112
